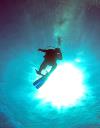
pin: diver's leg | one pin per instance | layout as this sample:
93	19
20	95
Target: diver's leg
53	67
42	66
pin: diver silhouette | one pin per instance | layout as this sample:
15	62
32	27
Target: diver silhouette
50	58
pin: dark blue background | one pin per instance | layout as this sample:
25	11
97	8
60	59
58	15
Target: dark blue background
25	26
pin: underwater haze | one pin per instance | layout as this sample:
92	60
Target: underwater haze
26	26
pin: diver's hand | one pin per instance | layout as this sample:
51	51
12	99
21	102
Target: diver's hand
39	49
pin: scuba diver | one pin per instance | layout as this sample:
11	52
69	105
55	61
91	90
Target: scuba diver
50	58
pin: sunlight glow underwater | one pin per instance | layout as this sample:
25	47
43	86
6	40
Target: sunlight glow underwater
64	87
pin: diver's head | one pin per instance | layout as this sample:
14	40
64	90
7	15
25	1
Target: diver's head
57	49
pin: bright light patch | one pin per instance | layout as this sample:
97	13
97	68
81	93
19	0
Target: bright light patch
64	87
78	60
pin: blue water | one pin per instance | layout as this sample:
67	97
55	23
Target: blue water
28	25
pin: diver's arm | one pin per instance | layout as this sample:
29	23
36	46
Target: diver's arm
59	54
42	50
